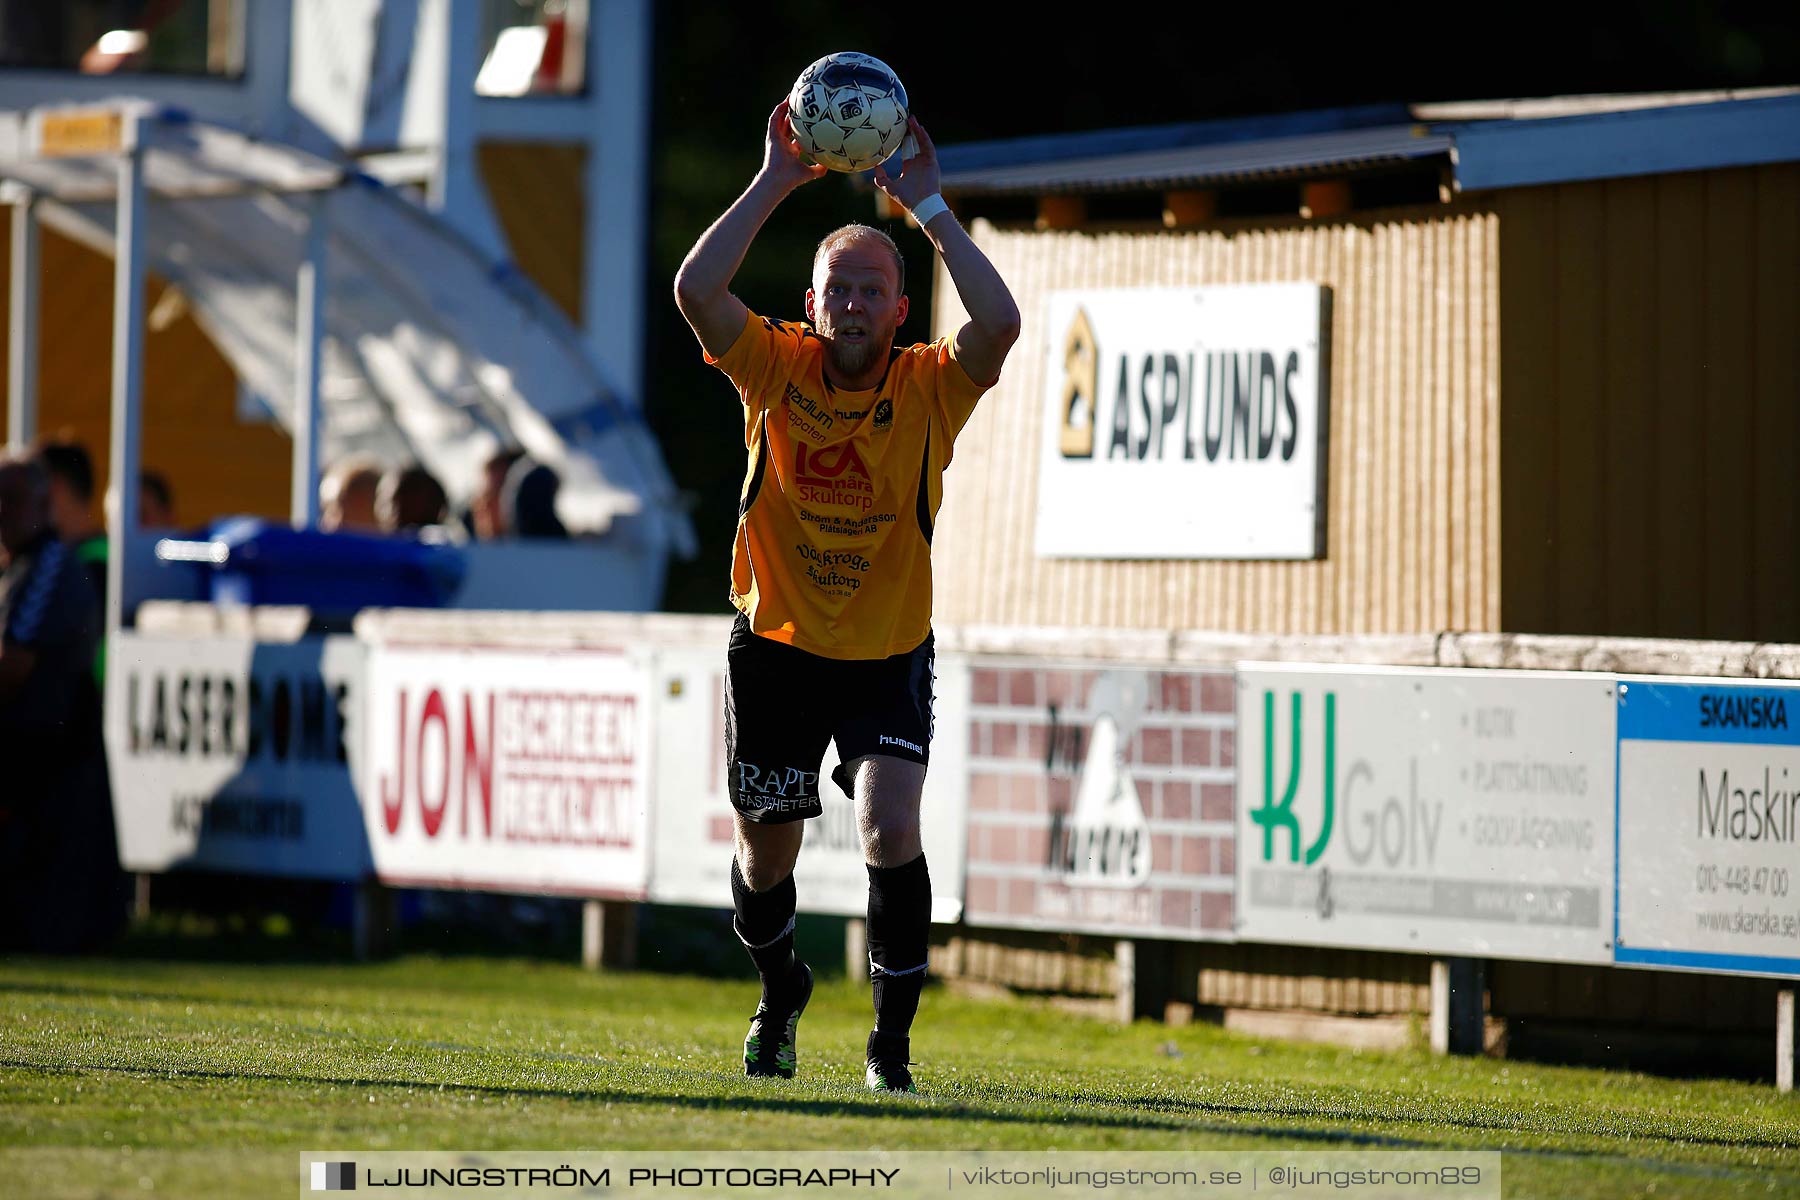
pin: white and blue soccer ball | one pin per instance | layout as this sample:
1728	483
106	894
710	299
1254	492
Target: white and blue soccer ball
848	111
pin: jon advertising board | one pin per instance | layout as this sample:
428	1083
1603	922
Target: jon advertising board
509	770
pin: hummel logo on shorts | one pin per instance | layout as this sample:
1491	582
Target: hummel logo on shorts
902	742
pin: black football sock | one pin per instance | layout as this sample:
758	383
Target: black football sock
899	931
764	922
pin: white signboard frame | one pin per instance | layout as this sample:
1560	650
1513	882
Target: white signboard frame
1471	811
1184	423
693	848
228	754
509	770
1708	812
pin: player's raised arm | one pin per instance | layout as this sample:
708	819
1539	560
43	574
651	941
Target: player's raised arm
993	327
703	285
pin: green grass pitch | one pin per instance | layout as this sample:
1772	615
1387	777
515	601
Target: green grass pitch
122	1077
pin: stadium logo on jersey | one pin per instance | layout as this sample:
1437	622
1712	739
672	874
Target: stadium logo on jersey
799	402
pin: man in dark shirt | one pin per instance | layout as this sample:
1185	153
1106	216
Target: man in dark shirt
59	867
71	511
71	473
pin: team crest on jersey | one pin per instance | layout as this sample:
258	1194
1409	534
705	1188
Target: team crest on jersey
884	415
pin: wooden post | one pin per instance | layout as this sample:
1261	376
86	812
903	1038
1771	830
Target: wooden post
1458	1011
1061	212
140	896
608	934
856	949
1181	209
1784	1040
1145	972
1324	198
371	921
1125	977
593	933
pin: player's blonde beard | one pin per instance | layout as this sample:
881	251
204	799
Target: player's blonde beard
851	360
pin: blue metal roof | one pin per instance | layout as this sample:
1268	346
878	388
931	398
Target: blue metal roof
1104	143
1189	166
1645	141
1511	152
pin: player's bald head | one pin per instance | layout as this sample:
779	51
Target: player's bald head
862	235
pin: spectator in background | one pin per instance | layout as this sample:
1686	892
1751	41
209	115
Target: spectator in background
529	501
156	504
409	499
71	474
487	519
60	884
347	496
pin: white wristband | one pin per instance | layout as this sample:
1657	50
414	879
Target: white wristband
928	208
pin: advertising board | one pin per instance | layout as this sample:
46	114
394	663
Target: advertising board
1439	811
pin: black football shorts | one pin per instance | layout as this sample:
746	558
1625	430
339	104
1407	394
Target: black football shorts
782	705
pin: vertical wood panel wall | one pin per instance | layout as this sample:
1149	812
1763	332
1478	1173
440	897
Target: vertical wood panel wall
215	464
540	200
1412	505
1650	369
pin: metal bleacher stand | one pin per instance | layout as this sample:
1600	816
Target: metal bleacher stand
119	176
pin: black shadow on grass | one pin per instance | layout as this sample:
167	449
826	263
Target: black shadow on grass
872	1107
1470	1123
889	1108
143	994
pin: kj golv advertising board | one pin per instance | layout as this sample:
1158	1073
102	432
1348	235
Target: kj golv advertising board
1183	423
1709	826
1448	812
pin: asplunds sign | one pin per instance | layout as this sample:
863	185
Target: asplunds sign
1449	812
1183	423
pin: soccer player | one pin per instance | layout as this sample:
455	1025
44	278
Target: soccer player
848	436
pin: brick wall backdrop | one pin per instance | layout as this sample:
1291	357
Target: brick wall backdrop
1031	730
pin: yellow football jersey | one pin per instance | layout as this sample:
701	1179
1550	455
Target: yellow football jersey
833	550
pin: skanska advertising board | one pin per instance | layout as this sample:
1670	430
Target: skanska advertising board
1437	811
1709	826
